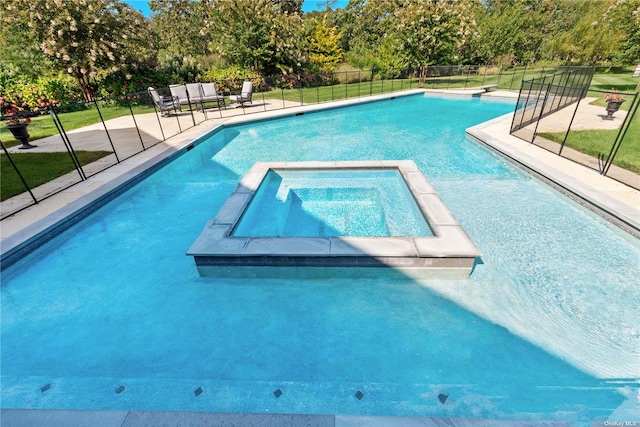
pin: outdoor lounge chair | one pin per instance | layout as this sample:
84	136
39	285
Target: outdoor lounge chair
166	104
208	93
180	92
245	94
195	94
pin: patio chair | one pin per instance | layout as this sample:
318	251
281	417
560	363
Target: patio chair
245	94
208	93
180	92
166	104
195	94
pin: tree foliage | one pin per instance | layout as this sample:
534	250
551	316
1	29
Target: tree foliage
324	45
395	34
585	37
258	34
108	43
86	38
179	25
624	21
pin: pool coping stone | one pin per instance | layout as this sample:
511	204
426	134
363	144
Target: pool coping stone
58	418
449	246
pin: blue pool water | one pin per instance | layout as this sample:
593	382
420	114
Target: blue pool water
545	328
332	203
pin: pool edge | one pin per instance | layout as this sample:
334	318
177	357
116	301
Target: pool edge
624	216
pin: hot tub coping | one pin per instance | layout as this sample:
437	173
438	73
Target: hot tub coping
450	246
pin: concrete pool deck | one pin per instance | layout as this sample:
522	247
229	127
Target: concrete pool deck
618	199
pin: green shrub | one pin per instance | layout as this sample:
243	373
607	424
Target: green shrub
40	93
124	82
231	78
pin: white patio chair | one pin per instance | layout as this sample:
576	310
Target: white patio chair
166	104
245	94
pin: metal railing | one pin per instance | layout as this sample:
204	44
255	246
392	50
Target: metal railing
118	128
107	131
546	115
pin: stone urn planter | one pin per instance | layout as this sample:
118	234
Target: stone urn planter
20	133
613	106
614	100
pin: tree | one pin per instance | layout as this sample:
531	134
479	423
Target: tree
364	25
624	23
327	4
178	25
257	34
514	30
434	32
395	34
324	45
87	38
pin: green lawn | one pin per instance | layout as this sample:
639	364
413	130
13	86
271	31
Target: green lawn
43	126
340	91
623	82
38	169
596	142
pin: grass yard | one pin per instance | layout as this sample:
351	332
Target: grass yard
596	142
340	91
43	126
38	169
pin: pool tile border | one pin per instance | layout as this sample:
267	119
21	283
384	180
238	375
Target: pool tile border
449	247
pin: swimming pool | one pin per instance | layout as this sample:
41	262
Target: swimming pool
543	329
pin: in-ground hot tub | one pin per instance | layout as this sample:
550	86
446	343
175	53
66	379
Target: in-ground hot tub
362	214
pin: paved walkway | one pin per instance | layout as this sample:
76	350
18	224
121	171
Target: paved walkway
619	200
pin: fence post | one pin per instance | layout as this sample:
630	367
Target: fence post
193	119
622	133
333	79
300	89
346	85
513	76
135	123
371	84
15	167
524	72
158	117
67	143
566	135
535	130
106	130
282	94
359	80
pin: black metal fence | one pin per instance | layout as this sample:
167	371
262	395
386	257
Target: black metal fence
80	140
543	96
561	114
77	141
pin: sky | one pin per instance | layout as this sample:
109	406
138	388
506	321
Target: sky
307	5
